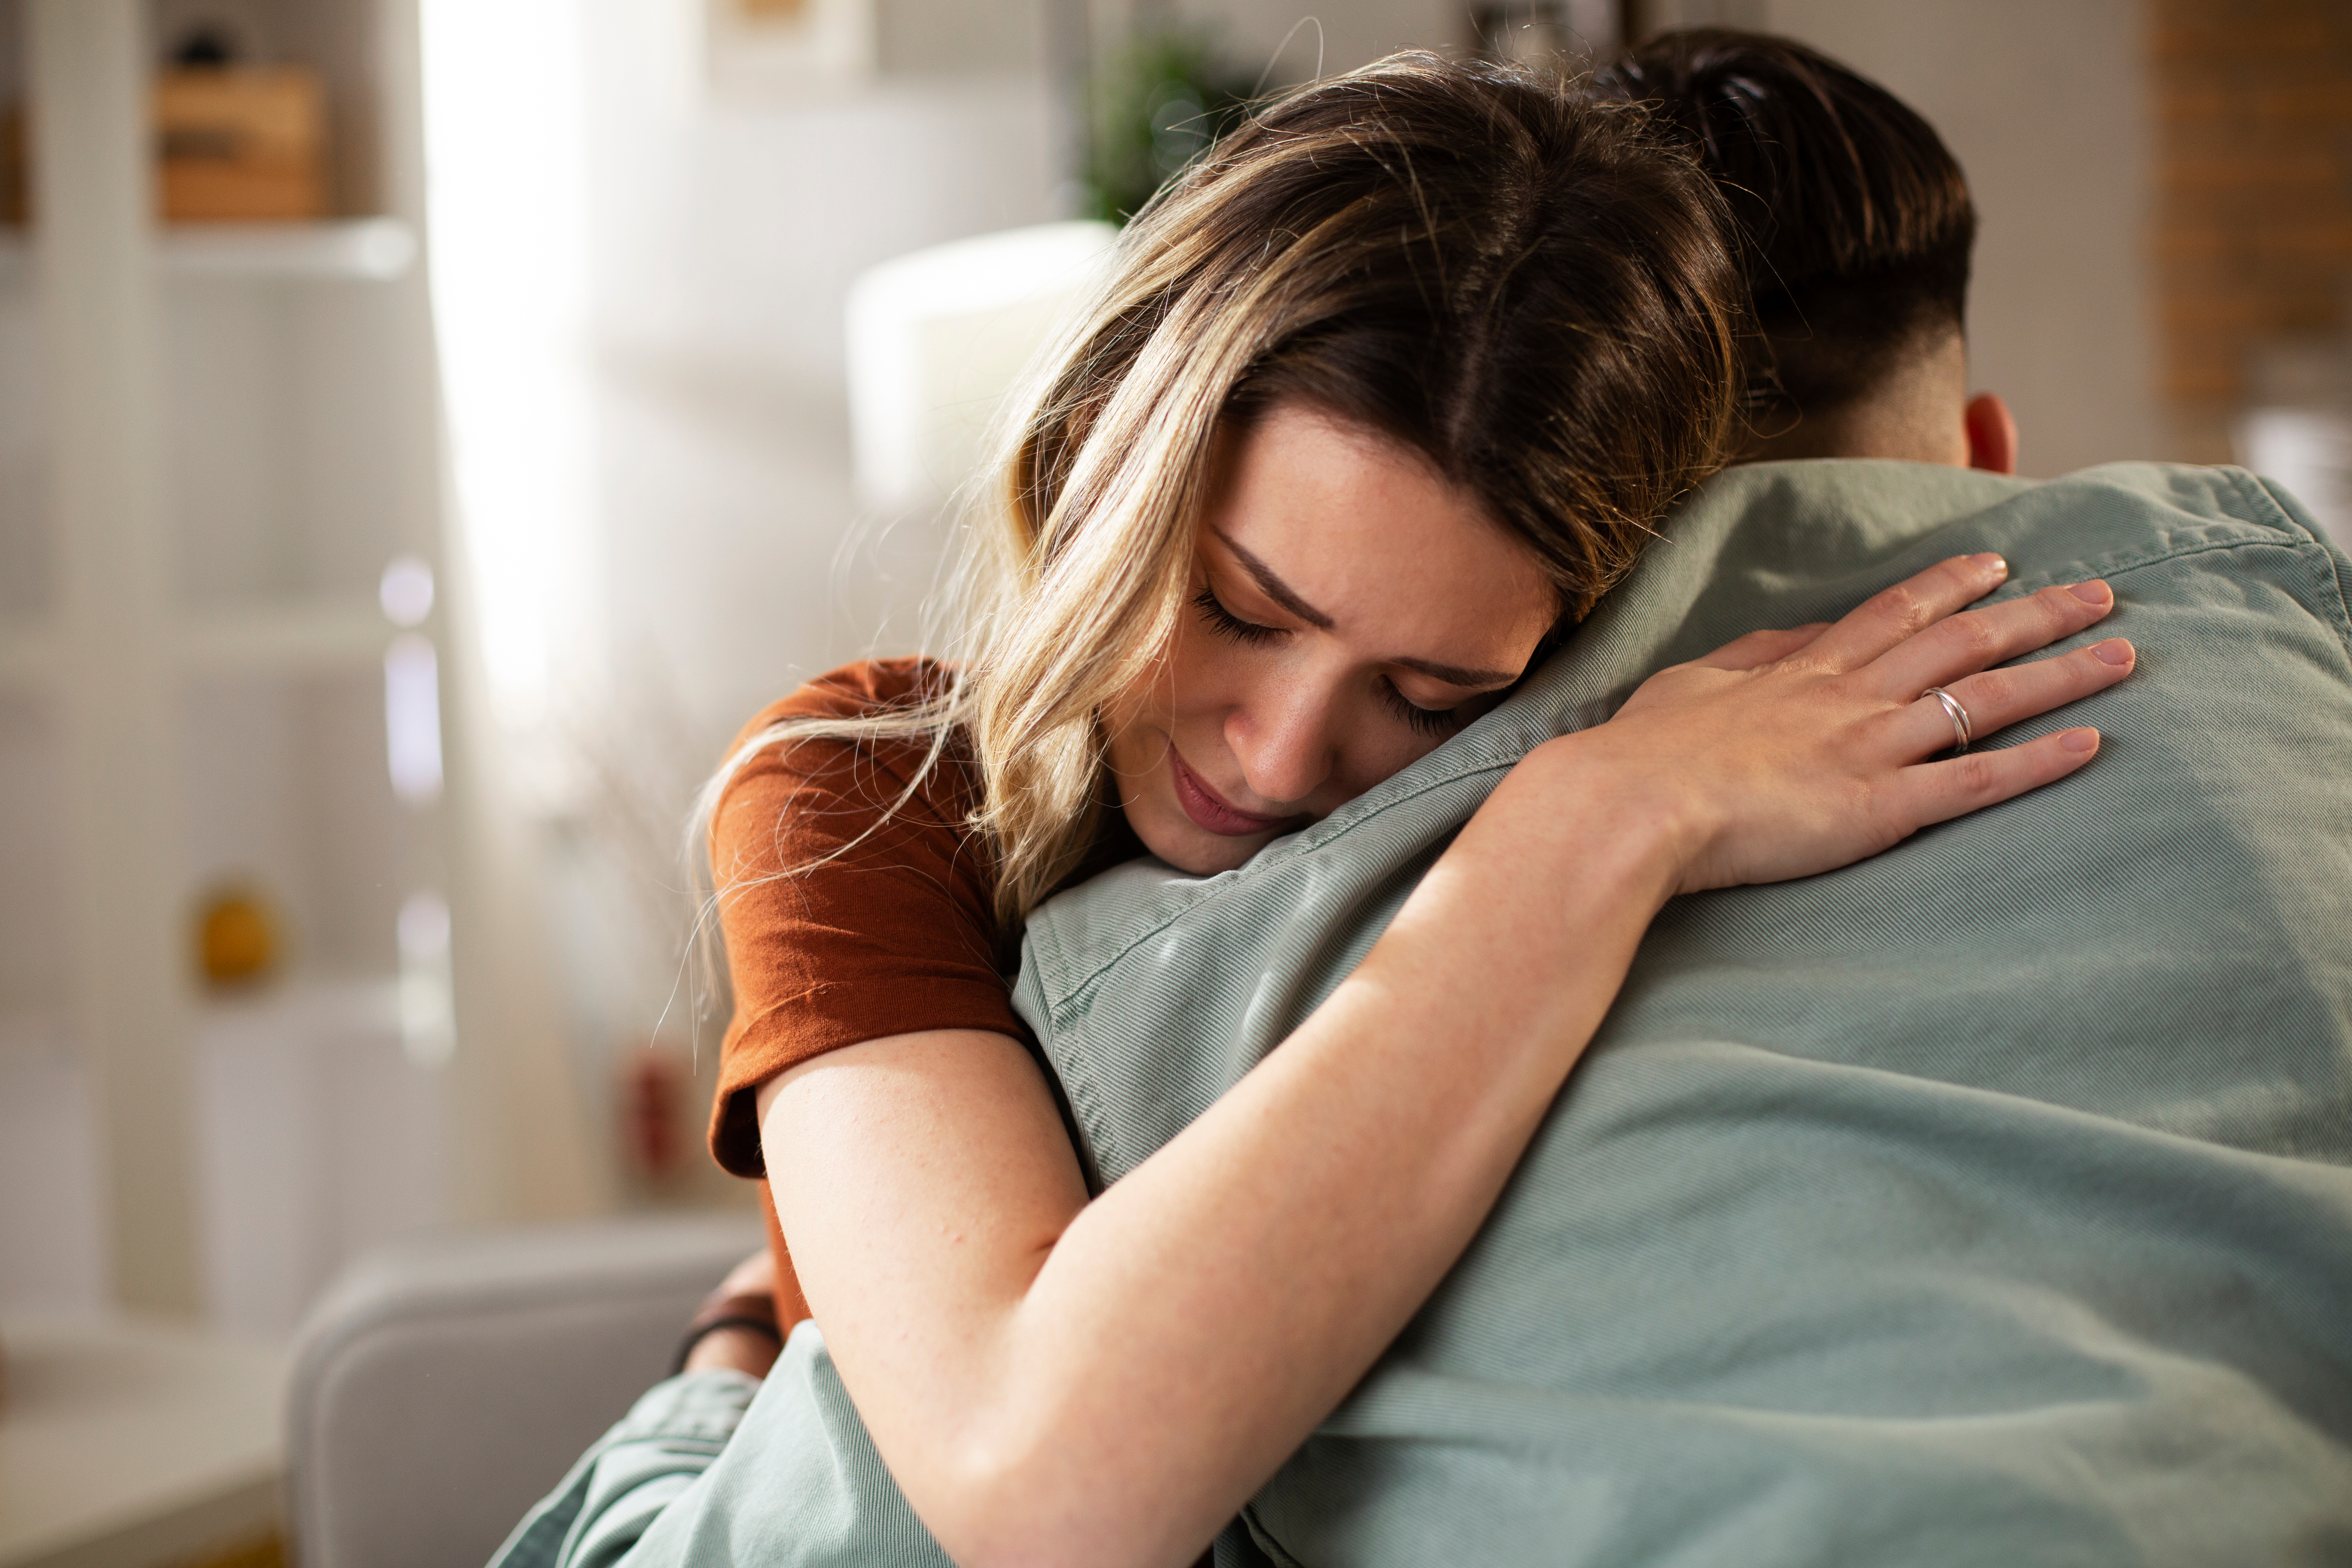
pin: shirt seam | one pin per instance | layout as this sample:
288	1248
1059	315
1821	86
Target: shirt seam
2258	489
1053	1009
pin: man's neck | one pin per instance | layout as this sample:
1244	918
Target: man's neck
1915	413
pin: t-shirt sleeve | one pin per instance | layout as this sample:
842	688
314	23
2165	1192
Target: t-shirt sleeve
843	920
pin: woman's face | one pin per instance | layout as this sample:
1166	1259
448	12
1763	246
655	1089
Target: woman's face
1349	611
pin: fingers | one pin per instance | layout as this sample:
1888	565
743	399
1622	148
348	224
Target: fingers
1962	645
1912	605
755	1276
1937	792
1999	698
1760	648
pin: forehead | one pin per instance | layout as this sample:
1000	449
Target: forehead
1366	531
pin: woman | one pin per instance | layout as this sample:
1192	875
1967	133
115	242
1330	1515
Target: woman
1385	394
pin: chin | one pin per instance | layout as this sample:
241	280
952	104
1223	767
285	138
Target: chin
1193	849
1208	862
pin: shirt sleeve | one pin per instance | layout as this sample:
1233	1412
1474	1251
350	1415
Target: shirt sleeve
852	909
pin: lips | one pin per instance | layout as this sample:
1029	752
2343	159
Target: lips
1211	811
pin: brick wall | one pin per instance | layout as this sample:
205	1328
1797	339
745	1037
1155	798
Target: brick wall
2253	224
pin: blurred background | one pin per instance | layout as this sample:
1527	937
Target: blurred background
430	428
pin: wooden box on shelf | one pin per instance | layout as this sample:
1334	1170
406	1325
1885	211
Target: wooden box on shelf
241	144
233	145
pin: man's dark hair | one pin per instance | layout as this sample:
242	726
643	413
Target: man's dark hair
1855	220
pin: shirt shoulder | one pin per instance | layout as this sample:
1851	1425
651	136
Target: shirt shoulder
855	896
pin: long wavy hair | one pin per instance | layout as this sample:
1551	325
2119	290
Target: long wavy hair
1479	262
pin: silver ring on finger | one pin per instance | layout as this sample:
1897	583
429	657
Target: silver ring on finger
1959	715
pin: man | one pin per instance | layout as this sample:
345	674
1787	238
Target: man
1990	1201
1987	1202
1860	233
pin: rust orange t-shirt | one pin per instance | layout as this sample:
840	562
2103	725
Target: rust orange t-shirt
833	939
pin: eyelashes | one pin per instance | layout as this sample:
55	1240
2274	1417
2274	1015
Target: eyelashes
1228	623
1432	722
1435	723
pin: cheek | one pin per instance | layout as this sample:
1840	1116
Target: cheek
1381	749
1375	744
1136	745
1147	702
1203	673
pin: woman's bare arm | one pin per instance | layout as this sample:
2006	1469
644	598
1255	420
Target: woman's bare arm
1054	1381
1105	1383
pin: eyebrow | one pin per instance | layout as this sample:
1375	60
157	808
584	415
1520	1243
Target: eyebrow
1280	592
1283	593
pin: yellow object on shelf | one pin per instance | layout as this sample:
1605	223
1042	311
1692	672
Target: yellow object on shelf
236	938
240	143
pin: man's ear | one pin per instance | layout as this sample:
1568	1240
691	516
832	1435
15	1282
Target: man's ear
1992	434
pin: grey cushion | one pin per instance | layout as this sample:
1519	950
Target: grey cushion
441	1386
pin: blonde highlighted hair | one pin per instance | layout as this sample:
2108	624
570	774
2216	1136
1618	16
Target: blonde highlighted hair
1476	261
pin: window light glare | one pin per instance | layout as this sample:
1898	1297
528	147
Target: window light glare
423	929
428	1022
406	590
412	719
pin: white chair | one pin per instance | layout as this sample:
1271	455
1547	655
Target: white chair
936	338
443	1386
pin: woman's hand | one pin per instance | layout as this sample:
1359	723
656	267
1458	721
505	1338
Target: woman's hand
746	1298
1791	752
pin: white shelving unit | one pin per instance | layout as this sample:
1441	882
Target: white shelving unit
364	249
212	441
283	638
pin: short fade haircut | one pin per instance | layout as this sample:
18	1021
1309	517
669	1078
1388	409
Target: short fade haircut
1854	218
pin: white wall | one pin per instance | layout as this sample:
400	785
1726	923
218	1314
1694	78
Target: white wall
1286	38
725	234
724	228
2046	107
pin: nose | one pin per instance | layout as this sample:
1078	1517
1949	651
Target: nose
1285	743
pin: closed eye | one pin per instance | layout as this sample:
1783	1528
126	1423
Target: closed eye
1436	723
1228	623
1424	720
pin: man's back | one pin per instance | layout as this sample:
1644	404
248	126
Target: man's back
1990	1201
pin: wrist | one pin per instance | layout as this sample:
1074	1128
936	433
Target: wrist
1618	829
732	1347
733	1331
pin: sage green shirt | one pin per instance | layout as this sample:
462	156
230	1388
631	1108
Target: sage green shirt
1986	1202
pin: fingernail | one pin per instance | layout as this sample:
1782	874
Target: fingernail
2093	592
2080	740
2115	650
1994	563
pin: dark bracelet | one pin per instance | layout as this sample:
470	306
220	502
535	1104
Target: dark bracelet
756	1313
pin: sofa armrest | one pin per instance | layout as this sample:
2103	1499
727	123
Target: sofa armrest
441	1386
